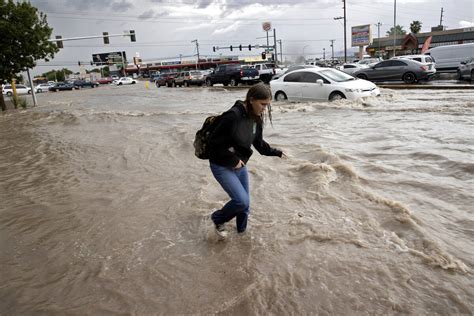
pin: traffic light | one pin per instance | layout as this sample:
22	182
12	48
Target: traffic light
250	47
132	36
231	48
92	63
214	49
264	55
59	44
79	63
240	47
106	37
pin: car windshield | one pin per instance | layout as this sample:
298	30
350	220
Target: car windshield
196	73
336	75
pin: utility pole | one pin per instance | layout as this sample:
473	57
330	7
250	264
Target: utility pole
324	53
197	49
332	49
378	34
281	51
441	17
394	26
345	21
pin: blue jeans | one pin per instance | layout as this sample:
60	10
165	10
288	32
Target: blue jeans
236	183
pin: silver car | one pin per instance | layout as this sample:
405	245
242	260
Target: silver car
408	71
466	70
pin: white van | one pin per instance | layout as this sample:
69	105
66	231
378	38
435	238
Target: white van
448	58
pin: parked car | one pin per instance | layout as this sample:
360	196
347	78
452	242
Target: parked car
293	68
370	60
187	78
166	79
351	68
79	84
43	87
409	71
466	70
105	80
424	59
61	86
115	77
124	81
232	74
20	89
321	84
449	57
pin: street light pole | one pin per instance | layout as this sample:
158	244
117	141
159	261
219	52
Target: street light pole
394	25
378	34
345	41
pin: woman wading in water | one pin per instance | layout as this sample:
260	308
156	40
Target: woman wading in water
238	129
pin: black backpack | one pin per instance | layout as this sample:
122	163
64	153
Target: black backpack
201	140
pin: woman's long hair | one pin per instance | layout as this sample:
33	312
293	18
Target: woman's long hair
259	91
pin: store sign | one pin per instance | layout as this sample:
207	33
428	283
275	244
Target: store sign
267	26
361	35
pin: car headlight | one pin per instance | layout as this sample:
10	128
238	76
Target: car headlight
354	90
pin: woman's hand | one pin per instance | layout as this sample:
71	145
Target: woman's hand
284	156
240	165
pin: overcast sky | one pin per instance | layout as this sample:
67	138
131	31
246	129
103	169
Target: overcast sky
165	28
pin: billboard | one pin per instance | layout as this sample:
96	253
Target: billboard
109	58
361	35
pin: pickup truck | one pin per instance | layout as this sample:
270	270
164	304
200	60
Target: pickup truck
265	71
232	74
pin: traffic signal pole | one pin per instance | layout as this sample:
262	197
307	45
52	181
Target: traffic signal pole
88	37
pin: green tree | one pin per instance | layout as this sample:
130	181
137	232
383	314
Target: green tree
398	29
415	27
57	75
24	39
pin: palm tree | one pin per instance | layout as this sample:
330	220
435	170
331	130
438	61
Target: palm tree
415	26
399	31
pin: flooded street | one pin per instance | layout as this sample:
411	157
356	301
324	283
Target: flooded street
104	209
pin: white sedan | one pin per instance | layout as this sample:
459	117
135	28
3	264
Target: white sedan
321	84
124	80
20	89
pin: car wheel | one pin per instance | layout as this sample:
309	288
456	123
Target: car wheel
29	91
458	75
409	77
157	84
233	82
362	76
280	96
336	96
134	82
209	83
39	90
9	93
120	84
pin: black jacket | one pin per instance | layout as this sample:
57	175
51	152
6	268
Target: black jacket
234	134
